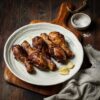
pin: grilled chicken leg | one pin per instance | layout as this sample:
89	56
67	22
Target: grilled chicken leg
55	51
21	55
59	39
35	56
39	43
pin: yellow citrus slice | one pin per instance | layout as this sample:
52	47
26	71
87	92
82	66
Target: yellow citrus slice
70	65
64	71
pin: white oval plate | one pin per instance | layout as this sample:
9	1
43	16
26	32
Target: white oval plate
42	78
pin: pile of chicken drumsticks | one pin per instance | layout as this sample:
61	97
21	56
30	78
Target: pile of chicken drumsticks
43	48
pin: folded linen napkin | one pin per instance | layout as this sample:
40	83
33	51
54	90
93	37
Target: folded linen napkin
85	85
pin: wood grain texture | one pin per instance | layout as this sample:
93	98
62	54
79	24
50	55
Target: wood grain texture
16	13
44	90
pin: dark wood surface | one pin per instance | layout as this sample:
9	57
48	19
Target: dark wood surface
16	13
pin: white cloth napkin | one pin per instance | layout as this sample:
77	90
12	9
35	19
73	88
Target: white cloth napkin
85	85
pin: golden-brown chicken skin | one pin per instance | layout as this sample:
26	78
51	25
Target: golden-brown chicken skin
35	56
58	39
21	55
40	44
55	51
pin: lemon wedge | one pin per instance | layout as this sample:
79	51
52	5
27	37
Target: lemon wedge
64	71
70	65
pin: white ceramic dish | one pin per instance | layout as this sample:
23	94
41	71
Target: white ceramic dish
41	78
80	21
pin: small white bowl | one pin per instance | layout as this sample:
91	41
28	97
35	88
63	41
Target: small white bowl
80	21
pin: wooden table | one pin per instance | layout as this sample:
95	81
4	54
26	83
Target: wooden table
16	13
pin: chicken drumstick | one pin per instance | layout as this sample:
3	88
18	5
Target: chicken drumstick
59	39
39	43
35	56
55	51
21	55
